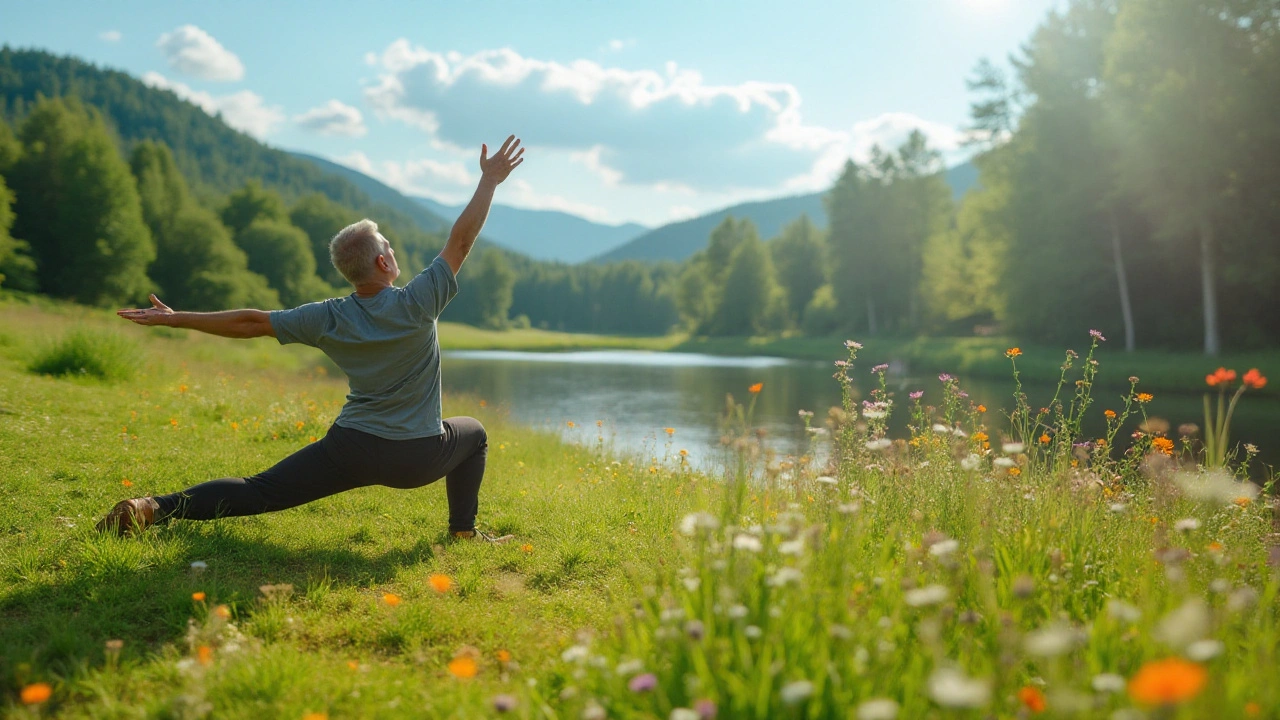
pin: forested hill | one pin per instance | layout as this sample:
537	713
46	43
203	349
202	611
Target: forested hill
680	240
381	193
214	158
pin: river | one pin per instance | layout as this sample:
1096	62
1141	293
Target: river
629	398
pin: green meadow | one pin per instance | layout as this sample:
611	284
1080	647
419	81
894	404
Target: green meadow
977	568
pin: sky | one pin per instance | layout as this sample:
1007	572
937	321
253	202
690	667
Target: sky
639	111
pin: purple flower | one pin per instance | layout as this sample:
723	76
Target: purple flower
1097	335
643	683
962	394
917	394
706	709
852	345
945	378
504	703
879	368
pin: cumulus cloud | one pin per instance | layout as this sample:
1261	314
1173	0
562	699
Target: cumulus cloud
617	45
676	213
110	36
245	111
357	161
333	118
523	194
648	126
440	180
192	51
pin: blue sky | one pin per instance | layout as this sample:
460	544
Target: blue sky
631	111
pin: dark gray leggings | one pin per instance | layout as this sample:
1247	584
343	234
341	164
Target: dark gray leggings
344	459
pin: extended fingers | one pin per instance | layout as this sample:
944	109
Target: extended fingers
516	157
507	145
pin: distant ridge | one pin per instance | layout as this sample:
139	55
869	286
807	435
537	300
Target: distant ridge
679	240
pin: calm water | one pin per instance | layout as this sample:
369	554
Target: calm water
636	394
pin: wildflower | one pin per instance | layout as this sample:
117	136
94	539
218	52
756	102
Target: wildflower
1050	641
1202	650
1013	352
916	394
1187	525
750	543
1044	439
1221	376
204	654
463	666
879	369
1252	709
526	548
299	424
316	716
980	436
826	480
440	583
1144	397
945	378
1108	683
223	612
1097	335
706	709
928	595
851	345
575	653
951	688
982	408
570	424
700	520
643	683
970	463
1185	624
940	428
695	629
1123	611
1216	486
1255	379
669	431
36	693
1004	462
197	596
1167	682
684	453
1032	699
1111	414
504	703
752	632
878	709
1013	448
504	656
796	692
593	711
944	548
173	422
755	389
879	444
199	566
1251	449
785	576
126	483
1163	445
683	714
391	599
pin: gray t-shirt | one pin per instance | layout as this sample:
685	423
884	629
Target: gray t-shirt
386	344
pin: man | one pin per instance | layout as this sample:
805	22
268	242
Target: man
390	430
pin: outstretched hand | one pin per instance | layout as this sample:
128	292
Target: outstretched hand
154	315
498	167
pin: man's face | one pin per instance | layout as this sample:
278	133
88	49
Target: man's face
390	255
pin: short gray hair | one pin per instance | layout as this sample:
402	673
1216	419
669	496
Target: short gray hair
355	249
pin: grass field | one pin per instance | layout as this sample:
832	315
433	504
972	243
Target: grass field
989	573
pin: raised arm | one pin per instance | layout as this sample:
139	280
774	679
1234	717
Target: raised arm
228	323
493	170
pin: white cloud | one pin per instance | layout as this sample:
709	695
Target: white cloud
646	126
676	213
192	51
245	111
440	180
591	160
356	161
333	118
522	194
617	45
110	36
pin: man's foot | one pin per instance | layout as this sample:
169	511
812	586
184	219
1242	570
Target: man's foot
130	516
479	535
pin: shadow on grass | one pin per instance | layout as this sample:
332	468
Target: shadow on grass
140	590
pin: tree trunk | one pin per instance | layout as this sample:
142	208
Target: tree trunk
1126	310
1208	287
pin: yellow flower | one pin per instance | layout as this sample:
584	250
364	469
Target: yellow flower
669	431
526	548
570	424
1013	352
315	716
1167	682
1015	472
36	693
126	483
391	599
980	436
1144	397
299	424
684	453
182	388
440	583
464	667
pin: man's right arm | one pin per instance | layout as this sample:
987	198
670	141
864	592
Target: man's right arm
228	323
493	170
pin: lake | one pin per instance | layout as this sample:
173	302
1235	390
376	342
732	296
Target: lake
629	397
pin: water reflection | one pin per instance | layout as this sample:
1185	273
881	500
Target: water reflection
637	394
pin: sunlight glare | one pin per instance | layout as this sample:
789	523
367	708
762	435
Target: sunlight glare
984	6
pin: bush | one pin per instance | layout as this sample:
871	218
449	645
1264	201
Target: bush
89	353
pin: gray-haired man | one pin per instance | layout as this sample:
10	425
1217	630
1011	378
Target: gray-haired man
390	431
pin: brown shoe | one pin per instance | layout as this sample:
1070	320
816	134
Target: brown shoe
129	516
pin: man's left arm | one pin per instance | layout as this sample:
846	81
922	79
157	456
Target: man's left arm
228	323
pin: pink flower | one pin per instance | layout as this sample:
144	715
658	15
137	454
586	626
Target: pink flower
643	683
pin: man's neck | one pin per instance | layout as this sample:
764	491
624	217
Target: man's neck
371	288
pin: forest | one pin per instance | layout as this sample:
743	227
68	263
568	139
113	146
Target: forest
1129	182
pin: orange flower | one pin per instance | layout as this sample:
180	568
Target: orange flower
982	408
1255	379
504	656
1013	352
36	693
1111	414
484	403
684	453
463	666
669	431
299	424
391	599
527	548
1145	397
980	436
1252	709
440	583
126	483
1214	546
1102	442
571	424
173	422
1221	376
223	612
754	389
204	654
1033	699
1163	445
1015	472
1166	682
1044	439
1242	501
353	664
182	388
198	596
315	716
